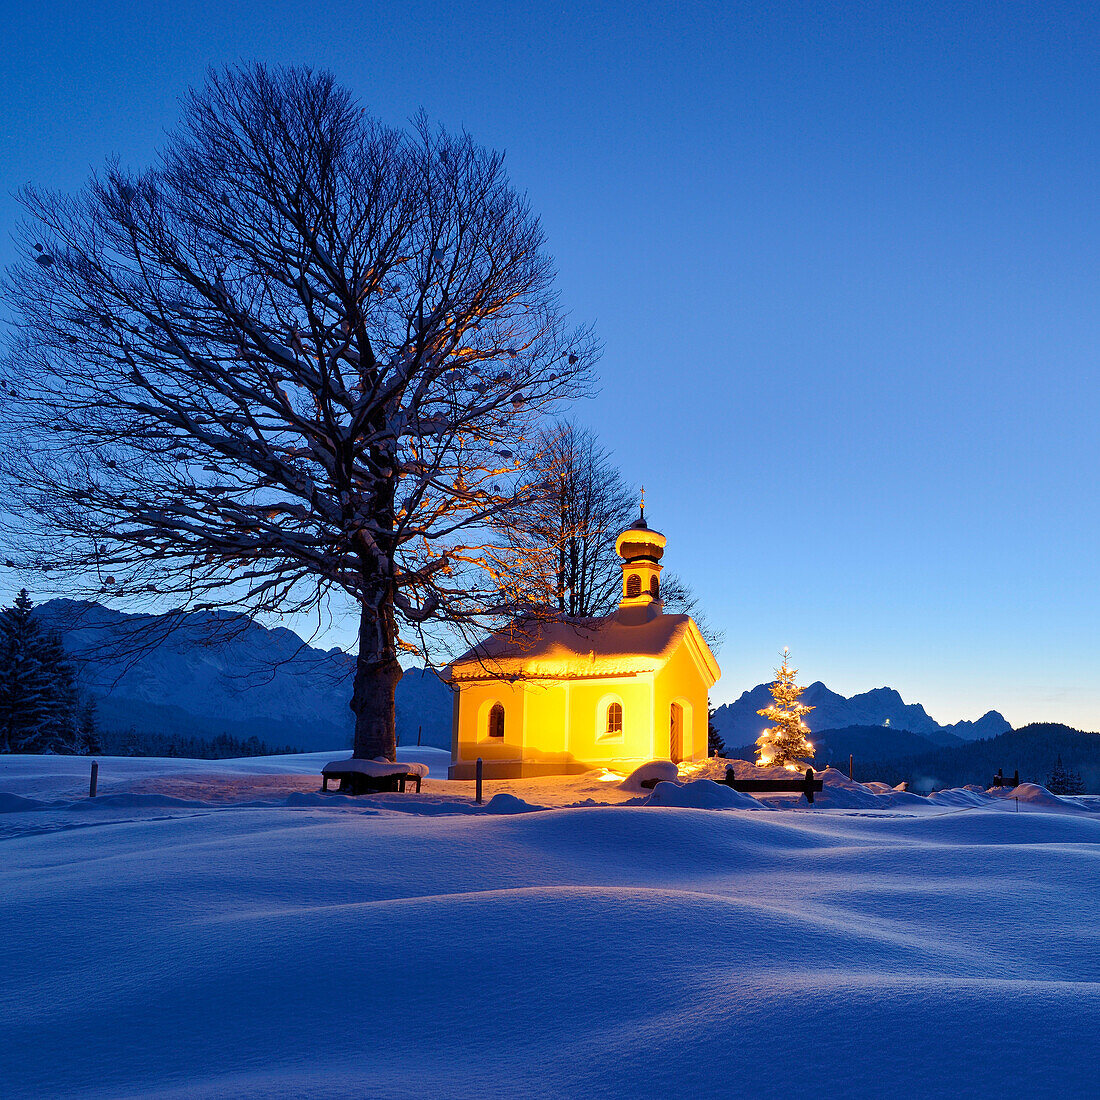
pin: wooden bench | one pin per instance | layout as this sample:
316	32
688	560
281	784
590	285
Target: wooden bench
372	776
1000	780
807	785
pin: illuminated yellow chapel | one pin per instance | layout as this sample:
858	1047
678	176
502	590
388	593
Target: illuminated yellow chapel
556	696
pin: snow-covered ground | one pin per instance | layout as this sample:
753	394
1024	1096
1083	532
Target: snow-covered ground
220	928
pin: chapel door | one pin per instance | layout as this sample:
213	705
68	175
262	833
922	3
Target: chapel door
676	734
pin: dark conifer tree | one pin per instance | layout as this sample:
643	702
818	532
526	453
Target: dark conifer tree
39	696
60	730
1064	781
25	687
88	740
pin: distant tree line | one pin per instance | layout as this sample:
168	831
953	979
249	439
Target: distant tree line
42	708
131	742
1043	752
1062	759
1064	780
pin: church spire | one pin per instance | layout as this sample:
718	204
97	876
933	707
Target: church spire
641	549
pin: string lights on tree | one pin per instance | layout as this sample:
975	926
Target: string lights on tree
784	743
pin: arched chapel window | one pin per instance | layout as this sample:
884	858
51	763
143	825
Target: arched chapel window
614	720
496	721
634	585
654	587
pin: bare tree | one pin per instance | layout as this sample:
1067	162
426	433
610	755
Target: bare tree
304	355
583	505
575	519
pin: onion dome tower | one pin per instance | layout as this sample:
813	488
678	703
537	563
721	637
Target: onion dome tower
641	549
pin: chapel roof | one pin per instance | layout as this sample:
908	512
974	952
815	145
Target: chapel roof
559	648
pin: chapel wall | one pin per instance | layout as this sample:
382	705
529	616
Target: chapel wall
679	680
470	736
589	700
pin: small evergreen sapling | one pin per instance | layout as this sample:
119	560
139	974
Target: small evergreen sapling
784	744
716	746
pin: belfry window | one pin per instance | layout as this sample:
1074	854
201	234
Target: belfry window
633	585
496	721
654	587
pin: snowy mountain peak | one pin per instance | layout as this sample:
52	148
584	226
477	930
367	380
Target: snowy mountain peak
739	723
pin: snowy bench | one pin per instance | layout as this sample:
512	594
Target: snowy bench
806	786
363	776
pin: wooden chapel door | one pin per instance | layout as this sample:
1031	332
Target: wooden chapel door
676	734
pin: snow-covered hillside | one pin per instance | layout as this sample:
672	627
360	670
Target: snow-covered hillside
222	673
218	928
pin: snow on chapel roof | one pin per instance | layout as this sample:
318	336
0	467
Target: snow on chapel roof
560	648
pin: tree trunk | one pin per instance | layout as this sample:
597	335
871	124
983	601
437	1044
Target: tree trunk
372	699
561	545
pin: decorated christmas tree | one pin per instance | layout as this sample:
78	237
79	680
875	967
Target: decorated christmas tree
784	743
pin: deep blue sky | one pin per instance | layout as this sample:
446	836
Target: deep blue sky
844	259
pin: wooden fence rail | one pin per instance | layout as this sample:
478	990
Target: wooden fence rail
807	785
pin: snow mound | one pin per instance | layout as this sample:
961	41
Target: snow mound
17	804
1035	795
960	797
841	793
215	943
661	770
509	804
701	794
838	791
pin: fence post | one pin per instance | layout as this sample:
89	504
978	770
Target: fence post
94	781
851	757
480	767
418	729
810	786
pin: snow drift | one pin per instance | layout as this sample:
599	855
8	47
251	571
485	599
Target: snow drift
701	794
338	947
